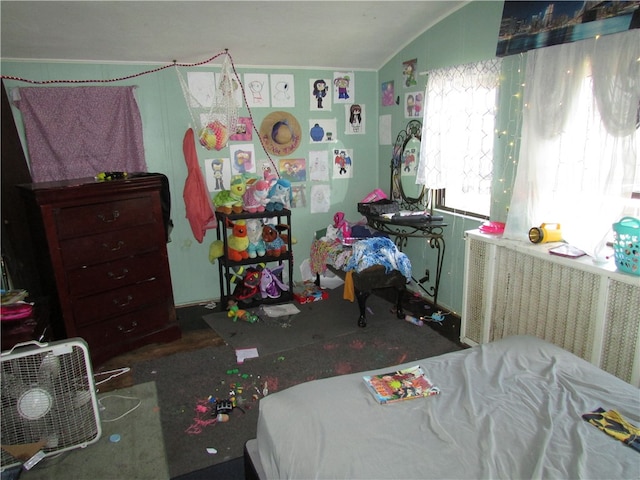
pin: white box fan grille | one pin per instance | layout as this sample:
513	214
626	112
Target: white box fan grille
48	398
511	288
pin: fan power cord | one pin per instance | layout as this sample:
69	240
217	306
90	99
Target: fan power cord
102	407
113	374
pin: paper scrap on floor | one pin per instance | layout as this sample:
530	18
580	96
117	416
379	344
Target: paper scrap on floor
280	310
243	354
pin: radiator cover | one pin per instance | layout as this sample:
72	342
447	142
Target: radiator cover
516	288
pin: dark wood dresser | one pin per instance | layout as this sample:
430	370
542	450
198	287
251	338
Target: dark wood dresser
103	245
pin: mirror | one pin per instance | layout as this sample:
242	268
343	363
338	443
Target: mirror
404	165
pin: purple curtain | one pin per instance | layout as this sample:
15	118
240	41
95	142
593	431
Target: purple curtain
75	132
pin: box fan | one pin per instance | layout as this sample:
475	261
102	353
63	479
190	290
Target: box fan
49	401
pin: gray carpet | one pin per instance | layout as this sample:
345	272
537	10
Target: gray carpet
316	322
329	345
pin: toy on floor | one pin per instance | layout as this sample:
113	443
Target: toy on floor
230	201
238	241
309	293
235	312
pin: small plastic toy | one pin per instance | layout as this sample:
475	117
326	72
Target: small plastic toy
235	312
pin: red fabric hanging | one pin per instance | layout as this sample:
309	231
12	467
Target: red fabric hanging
200	211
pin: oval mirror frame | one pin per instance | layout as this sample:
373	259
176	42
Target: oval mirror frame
411	133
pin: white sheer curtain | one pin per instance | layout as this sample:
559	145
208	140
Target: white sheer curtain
578	155
458	131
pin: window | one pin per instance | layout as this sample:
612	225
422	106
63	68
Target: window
578	159
456	155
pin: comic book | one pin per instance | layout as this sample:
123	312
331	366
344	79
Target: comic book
400	385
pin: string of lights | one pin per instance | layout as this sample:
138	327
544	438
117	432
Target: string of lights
174	64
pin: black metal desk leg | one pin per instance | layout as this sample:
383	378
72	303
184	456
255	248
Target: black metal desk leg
399	309
362	304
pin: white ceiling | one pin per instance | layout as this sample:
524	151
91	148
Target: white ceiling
327	34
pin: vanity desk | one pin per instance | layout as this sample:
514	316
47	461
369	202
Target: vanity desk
409	197
401	229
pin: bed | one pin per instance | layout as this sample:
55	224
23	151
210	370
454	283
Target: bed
372	263
508	409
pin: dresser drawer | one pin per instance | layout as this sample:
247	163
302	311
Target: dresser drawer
107	246
104	217
111	275
125	328
99	307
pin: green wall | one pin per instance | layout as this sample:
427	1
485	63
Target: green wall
470	34
165	119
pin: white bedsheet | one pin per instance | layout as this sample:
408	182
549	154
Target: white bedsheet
508	409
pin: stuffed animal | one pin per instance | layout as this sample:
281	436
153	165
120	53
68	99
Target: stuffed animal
216	250
275	241
255	197
270	284
235	312
228	201
257	247
249	287
280	195
340	223
238	242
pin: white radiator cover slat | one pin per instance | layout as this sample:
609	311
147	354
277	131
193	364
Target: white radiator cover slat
516	288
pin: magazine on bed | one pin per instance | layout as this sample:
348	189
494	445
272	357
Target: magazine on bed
400	385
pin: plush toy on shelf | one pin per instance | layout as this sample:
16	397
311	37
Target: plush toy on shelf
216	250
270	284
255	197
238	241
235	312
276	242
230	201
280	196
248	287
257	247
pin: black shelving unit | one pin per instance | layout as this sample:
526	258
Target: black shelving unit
225	265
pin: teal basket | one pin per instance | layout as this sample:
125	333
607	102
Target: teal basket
626	245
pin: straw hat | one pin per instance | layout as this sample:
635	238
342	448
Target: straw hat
280	133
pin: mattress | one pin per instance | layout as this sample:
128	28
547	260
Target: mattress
508	409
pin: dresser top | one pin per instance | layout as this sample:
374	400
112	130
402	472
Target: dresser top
78	187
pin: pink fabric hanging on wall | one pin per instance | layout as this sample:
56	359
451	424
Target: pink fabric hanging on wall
196	196
75	132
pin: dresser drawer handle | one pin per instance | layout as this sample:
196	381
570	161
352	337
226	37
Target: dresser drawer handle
134	325
113	276
118	246
124	303
114	216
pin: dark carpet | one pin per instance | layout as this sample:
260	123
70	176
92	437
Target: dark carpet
316	322
186	381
